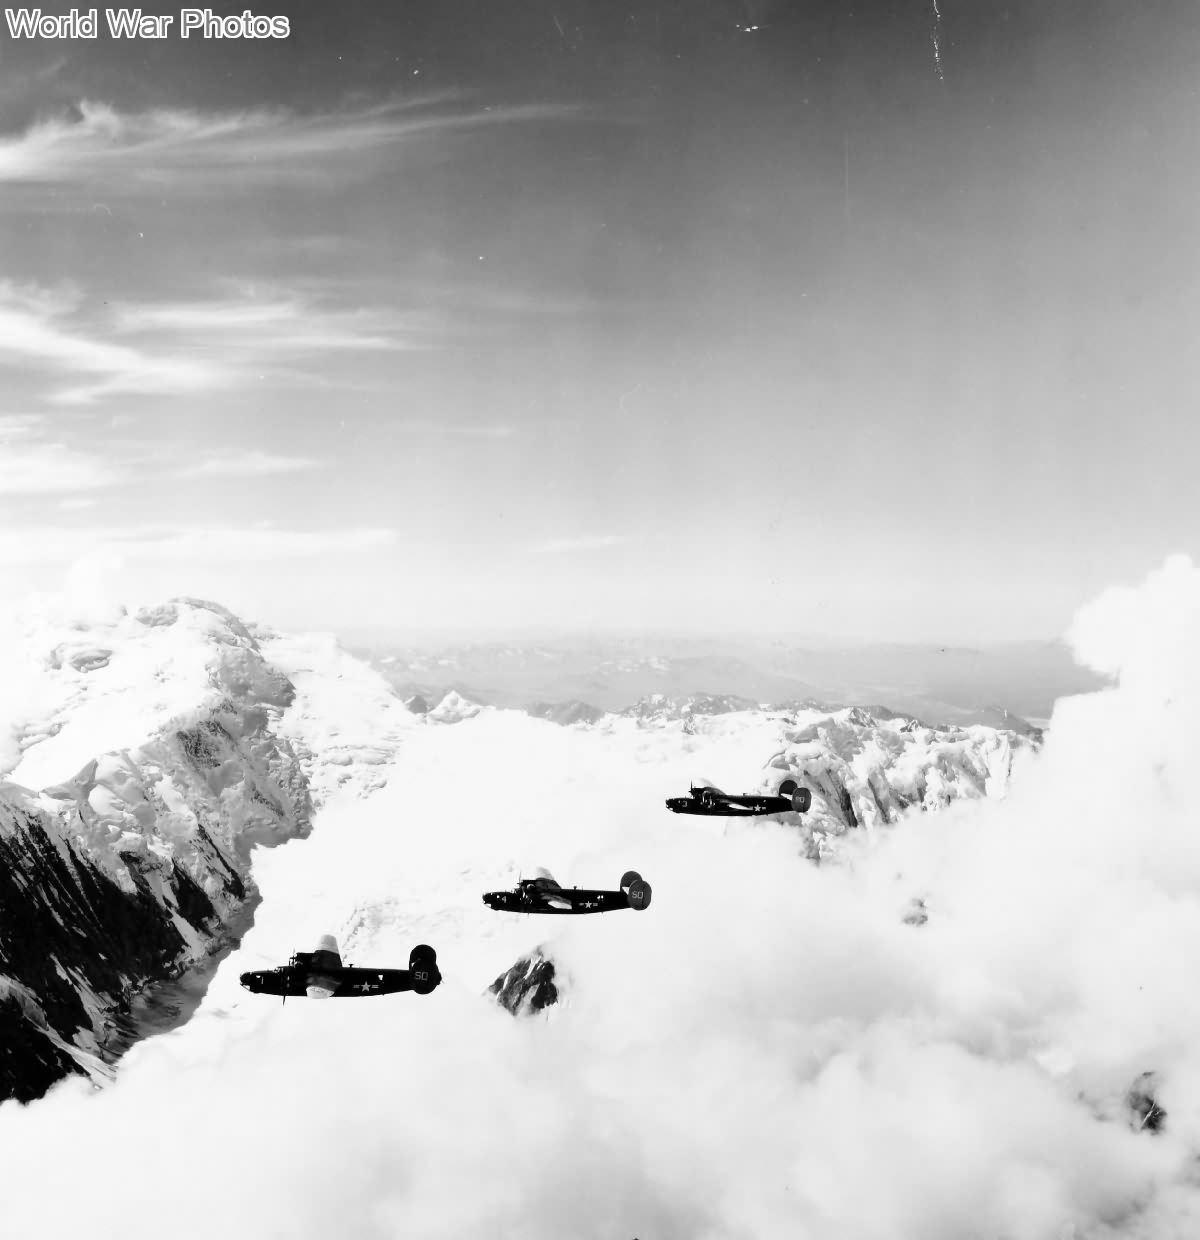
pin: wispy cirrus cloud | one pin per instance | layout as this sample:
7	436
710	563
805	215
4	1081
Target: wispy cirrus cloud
104	146
246	465
40	327
456	428
57	544
597	542
16	426
51	469
32	463
184	347
273	325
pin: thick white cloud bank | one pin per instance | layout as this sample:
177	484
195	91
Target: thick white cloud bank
769	1050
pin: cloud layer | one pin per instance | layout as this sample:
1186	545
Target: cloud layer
113	151
184	348
768	1051
32	462
195	545
587	542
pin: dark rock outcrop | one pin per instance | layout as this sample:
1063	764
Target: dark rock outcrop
528	986
1146	1113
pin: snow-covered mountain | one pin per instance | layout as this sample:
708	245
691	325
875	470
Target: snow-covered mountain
659	707
865	767
453	708
152	752
145	764
866	771
972	1020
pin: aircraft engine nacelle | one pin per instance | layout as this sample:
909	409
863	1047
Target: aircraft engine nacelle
636	889
801	797
320	986
422	966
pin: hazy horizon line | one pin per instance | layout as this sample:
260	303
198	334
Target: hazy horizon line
446	635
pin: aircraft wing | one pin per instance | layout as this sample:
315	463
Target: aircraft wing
702	780
559	902
327	955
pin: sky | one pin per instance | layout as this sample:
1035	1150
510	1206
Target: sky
866	320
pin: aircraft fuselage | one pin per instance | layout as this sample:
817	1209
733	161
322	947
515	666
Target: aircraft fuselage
321	975
730	806
567	902
345	983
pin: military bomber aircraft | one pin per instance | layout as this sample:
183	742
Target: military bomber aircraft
320	974
792	798
542	894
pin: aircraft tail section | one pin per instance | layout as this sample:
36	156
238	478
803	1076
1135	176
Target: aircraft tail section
638	895
801	798
636	889
422	966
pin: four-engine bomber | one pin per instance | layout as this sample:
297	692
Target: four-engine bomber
542	894
320	974
791	799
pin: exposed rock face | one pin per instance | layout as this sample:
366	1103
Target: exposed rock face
1147	1115
129	866
75	945
566	713
528	986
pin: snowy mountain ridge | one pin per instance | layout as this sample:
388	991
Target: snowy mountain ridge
144	767
151	752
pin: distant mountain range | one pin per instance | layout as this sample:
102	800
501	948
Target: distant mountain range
571	679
